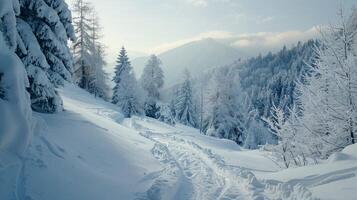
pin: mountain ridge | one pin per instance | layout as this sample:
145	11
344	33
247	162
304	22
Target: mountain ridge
197	57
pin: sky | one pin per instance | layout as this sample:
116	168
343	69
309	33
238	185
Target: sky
154	26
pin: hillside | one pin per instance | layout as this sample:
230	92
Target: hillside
90	152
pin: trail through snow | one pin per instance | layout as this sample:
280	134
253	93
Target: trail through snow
187	163
90	152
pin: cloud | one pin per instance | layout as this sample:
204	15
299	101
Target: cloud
198	3
262	20
259	40
171	45
274	39
204	3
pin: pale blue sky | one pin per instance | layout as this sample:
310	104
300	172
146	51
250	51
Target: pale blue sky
153	26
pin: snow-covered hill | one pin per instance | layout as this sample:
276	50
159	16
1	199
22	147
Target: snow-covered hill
197	56
91	152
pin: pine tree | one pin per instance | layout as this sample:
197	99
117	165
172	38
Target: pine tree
45	27
152	80
43	95
184	107
126	93
122	66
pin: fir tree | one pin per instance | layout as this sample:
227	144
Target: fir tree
126	93
122	66
184	107
45	27
152	80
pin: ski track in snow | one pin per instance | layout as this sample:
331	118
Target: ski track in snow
208	175
193	172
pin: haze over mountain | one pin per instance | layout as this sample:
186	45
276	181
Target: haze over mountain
196	56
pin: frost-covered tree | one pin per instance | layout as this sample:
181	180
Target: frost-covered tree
83	46
165	114
256	133
257	84
45	27
328	95
184	107
97	78
88	51
223	118
152	80
126	92
285	128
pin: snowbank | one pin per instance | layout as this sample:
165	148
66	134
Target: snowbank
15	120
15	112
334	179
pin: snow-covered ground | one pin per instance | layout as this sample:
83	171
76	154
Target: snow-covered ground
91	152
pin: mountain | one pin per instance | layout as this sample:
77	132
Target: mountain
197	56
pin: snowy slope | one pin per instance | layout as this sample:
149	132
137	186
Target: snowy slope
83	153
91	152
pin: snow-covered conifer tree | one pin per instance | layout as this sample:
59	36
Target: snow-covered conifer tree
184	107
152	80
45	27
126	92
9	10
122	66
43	95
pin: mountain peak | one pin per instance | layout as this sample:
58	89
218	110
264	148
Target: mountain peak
196	56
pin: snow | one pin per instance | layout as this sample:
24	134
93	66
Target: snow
83	153
15	115
15	119
90	151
